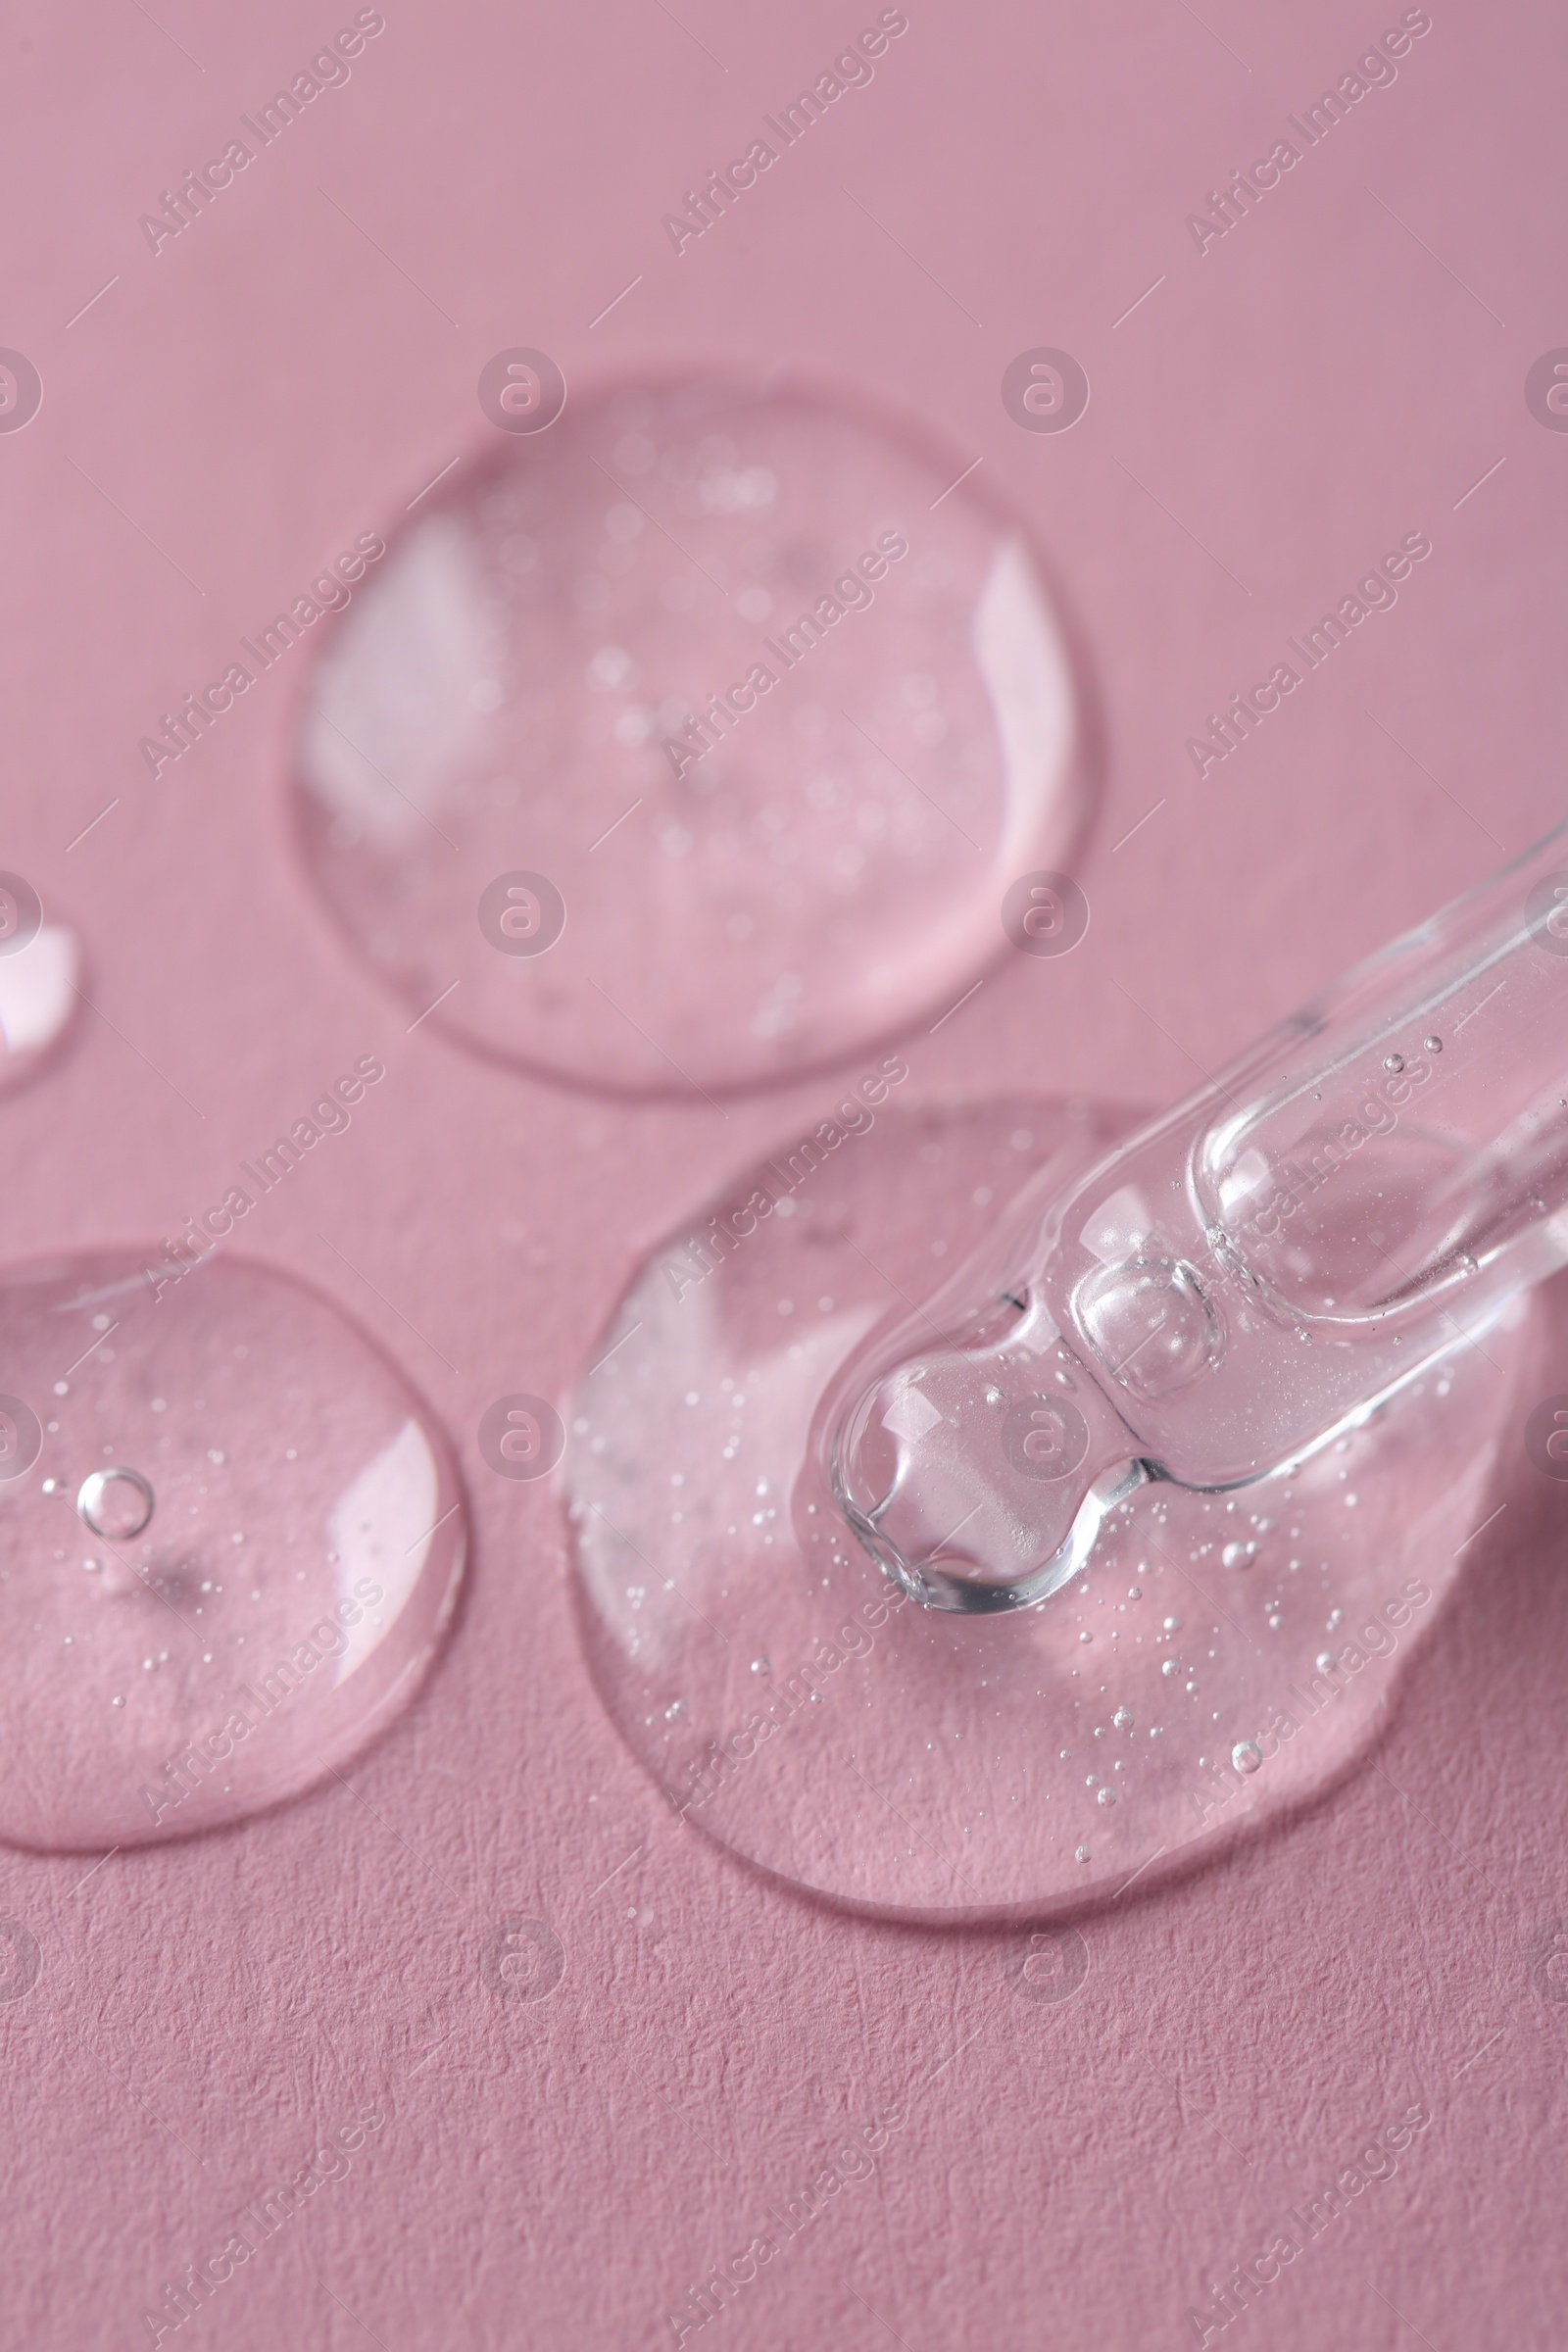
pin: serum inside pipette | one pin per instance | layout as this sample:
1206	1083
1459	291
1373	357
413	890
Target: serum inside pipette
1244	1277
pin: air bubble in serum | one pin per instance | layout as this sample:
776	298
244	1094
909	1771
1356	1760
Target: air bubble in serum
153	1685
726	662
116	1503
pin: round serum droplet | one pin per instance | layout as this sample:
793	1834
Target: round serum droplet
726	661
277	1538
116	1504
1246	1756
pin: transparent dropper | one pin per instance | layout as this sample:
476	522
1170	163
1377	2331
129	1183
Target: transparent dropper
1240	1280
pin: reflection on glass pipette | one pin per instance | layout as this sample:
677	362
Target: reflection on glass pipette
1244	1277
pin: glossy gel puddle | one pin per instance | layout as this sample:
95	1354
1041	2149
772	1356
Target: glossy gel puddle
231	1537
925	1764
691	742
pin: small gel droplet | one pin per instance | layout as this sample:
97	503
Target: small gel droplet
370	1517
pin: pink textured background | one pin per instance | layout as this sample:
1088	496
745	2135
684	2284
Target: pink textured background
1261	428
